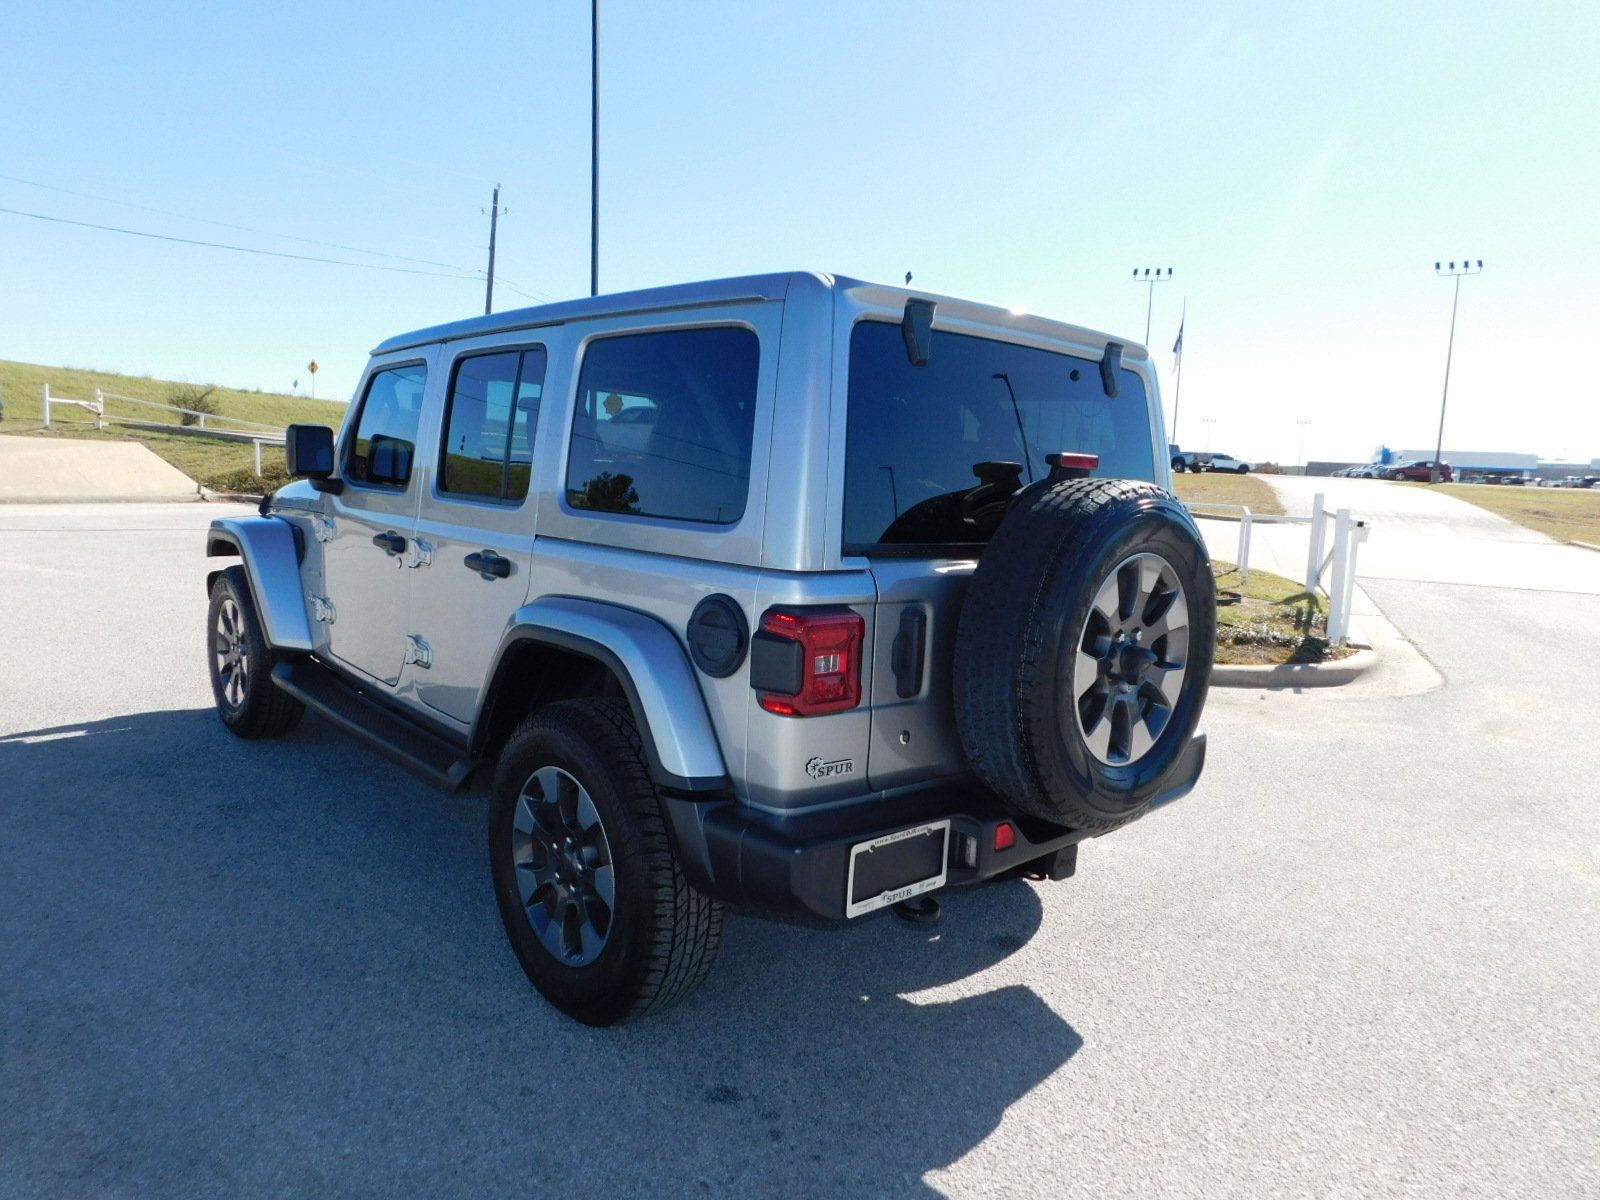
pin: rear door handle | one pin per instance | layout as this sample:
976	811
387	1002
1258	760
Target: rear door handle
487	562
390	542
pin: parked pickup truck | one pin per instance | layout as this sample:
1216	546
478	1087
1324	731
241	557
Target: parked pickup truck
793	594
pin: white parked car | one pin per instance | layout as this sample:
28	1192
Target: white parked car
1226	462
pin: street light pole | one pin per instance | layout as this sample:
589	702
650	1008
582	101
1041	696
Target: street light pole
1151	276
1301	456
1466	268
594	147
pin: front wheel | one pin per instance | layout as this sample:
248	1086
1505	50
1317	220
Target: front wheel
1179	466
241	663
595	905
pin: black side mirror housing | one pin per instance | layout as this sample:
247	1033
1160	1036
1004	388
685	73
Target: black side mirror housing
308	451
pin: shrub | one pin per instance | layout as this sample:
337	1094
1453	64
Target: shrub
246	482
197	398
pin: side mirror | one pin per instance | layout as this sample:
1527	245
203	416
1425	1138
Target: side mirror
308	451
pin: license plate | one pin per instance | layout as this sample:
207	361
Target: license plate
896	867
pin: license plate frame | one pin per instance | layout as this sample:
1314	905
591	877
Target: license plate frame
857	908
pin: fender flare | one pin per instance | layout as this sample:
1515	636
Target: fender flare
271	557
679	741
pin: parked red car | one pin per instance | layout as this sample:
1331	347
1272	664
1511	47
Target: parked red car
1420	471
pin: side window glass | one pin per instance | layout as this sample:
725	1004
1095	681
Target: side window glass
492	412
663	424
524	421
386	432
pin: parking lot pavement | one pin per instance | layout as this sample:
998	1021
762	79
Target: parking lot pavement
1360	959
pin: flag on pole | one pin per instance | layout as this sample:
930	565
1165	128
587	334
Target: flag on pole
1177	346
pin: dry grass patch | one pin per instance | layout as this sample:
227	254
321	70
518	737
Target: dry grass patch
1270	621
1218	488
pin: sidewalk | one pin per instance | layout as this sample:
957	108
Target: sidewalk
52	470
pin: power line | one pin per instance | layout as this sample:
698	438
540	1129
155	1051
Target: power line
167	212
165	237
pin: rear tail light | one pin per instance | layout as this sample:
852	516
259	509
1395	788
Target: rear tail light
807	662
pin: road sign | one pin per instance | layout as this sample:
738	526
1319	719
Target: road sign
312	366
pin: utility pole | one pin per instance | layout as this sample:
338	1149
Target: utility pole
1151	276
1302	423
494	220
594	147
1466	268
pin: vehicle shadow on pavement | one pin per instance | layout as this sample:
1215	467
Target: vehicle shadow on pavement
236	967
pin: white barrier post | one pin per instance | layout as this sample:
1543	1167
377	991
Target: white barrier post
99	410
1314	556
1244	546
46	401
256	442
1339	590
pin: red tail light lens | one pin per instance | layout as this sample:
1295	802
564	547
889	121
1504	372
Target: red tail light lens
805	664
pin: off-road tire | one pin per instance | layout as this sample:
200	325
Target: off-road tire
664	935
1028	601
263	710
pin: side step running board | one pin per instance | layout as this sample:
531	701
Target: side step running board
409	744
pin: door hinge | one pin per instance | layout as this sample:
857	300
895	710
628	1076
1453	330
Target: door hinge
419	553
322	609
322	526
417	652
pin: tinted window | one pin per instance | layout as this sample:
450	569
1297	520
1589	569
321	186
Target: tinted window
493	410
663	423
932	451
386	432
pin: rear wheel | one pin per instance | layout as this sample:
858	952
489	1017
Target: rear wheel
595	906
241	663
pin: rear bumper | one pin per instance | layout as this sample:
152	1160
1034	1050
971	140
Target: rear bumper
799	866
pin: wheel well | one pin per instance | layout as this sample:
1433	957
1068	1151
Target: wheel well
218	546
532	675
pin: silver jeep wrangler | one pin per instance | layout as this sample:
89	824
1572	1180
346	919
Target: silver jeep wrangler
792	593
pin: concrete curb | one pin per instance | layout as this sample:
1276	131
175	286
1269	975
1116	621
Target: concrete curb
1296	675
1587	546
229	497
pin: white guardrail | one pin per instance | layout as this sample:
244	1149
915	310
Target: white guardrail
1348	534
254	432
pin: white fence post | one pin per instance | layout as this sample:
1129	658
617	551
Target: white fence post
1314	556
99	409
1339	591
257	444
1244	545
46	401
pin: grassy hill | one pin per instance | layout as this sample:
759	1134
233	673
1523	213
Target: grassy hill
224	465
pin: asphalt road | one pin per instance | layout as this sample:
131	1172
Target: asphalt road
1359	959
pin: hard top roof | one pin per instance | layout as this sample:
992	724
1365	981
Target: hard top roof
685	295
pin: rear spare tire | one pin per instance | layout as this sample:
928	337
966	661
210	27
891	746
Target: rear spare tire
1084	650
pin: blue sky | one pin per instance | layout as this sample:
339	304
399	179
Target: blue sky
1299	166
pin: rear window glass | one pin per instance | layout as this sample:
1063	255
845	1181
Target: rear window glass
922	441
663	425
